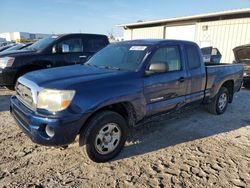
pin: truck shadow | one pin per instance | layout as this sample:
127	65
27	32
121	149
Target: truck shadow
5	103
188	126
4	99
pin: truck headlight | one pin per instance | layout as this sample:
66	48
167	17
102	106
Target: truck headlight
54	100
6	62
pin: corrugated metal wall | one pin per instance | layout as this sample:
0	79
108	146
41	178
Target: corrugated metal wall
127	34
144	33
181	32
224	35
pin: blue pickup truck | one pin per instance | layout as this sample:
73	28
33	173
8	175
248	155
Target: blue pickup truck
124	85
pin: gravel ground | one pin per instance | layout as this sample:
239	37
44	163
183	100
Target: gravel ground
196	149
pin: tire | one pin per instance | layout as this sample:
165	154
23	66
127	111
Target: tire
12	88
216	106
246	85
104	136
21	73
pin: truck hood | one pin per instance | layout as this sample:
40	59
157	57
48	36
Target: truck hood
242	55
64	77
16	53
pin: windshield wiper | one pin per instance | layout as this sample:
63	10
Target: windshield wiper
90	65
109	67
30	48
103	66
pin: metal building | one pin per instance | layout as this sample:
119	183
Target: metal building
223	30
22	36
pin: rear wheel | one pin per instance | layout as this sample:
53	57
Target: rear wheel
219	104
104	136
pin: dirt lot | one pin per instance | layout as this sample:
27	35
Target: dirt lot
196	149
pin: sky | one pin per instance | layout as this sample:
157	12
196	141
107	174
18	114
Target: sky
98	16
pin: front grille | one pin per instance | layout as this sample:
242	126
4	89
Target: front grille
24	94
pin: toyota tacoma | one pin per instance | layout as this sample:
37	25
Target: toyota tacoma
124	85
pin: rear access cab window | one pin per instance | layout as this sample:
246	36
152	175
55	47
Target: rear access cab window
193	57
94	43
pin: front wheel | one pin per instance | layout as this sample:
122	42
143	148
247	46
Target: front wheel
219	104
12	88
104	136
246	85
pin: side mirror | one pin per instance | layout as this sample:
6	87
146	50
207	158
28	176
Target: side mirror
54	49
157	67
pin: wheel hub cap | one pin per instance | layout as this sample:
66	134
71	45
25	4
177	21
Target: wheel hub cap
222	101
108	138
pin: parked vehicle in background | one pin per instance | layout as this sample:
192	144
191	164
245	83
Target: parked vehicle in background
211	55
18	46
54	51
3	44
6	47
123	85
242	55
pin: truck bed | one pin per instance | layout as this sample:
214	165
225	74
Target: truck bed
218	74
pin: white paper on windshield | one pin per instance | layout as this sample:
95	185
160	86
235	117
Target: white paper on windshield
138	48
65	48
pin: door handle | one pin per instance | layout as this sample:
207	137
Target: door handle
82	56
181	79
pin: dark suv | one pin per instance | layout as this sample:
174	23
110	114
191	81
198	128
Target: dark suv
54	51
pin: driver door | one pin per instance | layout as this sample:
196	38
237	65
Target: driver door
166	91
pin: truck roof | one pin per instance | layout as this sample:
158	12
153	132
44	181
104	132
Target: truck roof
78	34
155	41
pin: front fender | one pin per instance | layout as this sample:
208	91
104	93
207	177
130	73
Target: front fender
137	101
99	94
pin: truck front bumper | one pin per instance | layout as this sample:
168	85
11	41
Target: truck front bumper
7	76
65	129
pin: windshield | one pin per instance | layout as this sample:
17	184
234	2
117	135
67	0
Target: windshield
42	43
119	56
